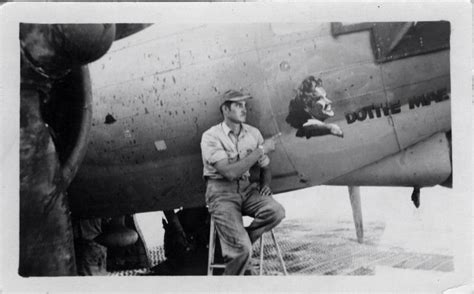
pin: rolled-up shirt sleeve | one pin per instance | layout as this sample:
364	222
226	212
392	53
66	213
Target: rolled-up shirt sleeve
264	160
212	149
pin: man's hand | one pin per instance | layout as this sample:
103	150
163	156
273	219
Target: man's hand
269	144
265	191
336	130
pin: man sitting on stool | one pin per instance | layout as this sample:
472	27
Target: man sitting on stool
229	150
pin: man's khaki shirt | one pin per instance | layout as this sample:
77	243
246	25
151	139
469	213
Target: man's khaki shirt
219	142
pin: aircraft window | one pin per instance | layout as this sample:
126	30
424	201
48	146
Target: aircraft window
395	40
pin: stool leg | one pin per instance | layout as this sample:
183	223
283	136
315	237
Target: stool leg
280	257
261	256
212	246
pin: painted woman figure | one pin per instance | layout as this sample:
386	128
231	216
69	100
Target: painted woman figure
310	108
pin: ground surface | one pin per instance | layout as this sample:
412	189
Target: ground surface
318	237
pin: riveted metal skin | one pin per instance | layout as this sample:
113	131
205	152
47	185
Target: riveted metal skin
156	92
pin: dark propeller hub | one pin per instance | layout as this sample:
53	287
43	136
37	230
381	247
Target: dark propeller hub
55	48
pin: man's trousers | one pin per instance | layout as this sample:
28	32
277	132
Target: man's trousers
227	202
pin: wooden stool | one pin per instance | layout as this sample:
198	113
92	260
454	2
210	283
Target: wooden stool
212	246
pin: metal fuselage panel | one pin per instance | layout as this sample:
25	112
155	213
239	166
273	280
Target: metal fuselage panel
157	91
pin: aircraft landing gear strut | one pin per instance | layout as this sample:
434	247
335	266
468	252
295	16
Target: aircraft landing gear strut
354	194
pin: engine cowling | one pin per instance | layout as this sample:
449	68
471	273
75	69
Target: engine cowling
55	119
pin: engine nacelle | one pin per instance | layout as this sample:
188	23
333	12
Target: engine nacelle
55	119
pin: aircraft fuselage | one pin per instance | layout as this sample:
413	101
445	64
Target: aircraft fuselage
157	91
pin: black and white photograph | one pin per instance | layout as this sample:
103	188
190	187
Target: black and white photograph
165	146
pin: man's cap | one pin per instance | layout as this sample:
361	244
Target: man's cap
232	95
